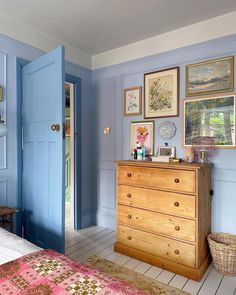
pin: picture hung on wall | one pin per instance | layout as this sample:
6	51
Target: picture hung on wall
212	116
161	93
142	132
133	101
212	76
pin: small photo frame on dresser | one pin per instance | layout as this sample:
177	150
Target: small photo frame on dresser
166	151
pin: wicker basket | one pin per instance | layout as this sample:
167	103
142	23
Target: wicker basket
223	252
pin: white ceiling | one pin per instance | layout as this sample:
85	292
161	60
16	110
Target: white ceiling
95	26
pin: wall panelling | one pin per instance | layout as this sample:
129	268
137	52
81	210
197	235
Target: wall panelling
130	74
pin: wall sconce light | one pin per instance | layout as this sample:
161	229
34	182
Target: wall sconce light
106	130
3	127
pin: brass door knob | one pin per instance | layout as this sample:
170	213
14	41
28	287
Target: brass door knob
176	180
176	204
55	127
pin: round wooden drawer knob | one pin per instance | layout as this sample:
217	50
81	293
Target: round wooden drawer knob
129	238
129	216
176	204
177	228
176	180
177	252
129	195
129	174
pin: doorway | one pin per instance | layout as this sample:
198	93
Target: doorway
69	155
72	152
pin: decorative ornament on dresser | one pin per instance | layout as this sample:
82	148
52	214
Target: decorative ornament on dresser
164	215
161	93
167	130
204	148
133	101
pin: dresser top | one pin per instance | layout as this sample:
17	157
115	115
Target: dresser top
183	165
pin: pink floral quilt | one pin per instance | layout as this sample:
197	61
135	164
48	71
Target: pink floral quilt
47	272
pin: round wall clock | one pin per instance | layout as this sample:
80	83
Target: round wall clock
167	130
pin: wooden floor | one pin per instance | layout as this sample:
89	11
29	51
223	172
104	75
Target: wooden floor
96	240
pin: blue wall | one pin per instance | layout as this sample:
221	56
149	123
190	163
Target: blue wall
102	106
9	174
109	84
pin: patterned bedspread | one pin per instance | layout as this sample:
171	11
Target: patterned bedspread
47	272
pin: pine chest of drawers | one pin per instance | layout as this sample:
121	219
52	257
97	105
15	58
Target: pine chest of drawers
164	215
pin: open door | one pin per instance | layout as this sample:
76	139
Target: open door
43	190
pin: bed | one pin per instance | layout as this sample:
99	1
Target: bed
26	269
13	247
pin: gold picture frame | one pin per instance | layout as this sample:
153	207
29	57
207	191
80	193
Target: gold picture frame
208	116
210	77
161	93
133	101
143	132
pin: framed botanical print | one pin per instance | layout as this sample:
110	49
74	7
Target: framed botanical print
142	132
212	76
210	117
133	101
161	93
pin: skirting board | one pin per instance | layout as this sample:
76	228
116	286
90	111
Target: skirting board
107	220
88	218
195	274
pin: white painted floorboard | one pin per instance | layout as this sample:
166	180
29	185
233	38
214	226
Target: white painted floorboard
85	243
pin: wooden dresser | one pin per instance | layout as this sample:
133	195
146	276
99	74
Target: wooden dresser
164	215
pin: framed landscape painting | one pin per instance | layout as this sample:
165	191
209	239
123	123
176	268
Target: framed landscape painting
212	117
133	101
212	76
161	90
142	132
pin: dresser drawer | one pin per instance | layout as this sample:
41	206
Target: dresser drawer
164	202
168	179
179	252
156	223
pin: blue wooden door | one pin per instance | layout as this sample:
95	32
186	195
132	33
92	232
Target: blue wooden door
43	192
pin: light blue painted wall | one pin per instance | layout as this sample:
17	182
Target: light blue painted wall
9	176
109	84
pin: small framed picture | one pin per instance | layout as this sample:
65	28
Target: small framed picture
133	101
161	93
211	76
142	132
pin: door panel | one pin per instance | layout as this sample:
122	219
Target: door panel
43	199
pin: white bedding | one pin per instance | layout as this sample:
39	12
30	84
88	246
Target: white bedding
12	246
